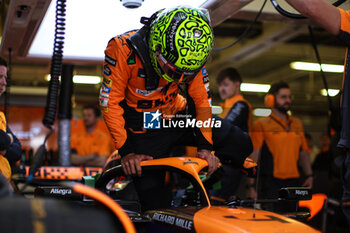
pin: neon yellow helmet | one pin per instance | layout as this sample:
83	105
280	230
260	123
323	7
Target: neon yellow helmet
179	42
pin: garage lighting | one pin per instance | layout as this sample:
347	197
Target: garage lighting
85	79
308	66
331	92
81	79
254	87
262	112
25	90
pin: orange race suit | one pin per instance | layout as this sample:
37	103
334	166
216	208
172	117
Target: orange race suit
126	103
123	96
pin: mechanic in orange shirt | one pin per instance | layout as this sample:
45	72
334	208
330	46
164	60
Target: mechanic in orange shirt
337	22
279	140
90	146
237	111
144	73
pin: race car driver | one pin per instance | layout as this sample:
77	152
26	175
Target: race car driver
144	73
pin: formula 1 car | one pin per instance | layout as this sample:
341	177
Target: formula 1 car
190	209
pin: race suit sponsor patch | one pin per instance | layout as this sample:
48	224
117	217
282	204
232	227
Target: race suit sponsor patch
103	95
105	89
145	92
107	71
103	98
141	73
107	81
204	72
110	60
205	79
131	59
104	102
209	94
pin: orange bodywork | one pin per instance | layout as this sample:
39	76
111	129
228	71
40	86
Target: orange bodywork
208	219
315	205
107	201
190	165
225	219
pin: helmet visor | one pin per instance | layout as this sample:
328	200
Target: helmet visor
173	74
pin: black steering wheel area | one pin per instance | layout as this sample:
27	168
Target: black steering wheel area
185	190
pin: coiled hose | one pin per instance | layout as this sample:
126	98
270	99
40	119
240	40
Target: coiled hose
56	64
55	72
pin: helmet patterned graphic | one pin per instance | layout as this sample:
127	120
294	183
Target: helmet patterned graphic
179	43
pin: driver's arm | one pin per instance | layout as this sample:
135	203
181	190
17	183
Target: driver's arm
115	82
321	12
198	89
112	93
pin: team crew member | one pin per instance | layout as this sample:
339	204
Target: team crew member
236	109
144	71
90	146
10	147
279	140
337	22
238	112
